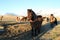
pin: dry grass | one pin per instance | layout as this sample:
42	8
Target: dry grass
53	34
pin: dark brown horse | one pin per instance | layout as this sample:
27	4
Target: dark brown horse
36	21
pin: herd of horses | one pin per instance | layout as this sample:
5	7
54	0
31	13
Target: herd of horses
31	17
22	18
28	17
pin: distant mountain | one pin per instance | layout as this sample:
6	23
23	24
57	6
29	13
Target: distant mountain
12	14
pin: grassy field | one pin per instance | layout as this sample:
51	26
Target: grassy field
23	31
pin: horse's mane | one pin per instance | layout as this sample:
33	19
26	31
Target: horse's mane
33	13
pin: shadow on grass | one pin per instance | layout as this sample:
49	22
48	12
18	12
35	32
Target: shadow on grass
45	28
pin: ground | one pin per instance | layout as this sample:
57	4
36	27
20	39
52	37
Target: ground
22	31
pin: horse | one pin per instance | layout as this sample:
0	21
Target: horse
23	19
17	19
53	20
1	18
35	21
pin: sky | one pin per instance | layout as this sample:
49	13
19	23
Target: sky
19	7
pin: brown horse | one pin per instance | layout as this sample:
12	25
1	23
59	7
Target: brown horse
53	21
17	19
36	21
21	18
24	19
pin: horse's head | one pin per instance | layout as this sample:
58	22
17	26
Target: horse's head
31	14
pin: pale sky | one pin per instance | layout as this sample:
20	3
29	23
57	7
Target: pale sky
19	7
